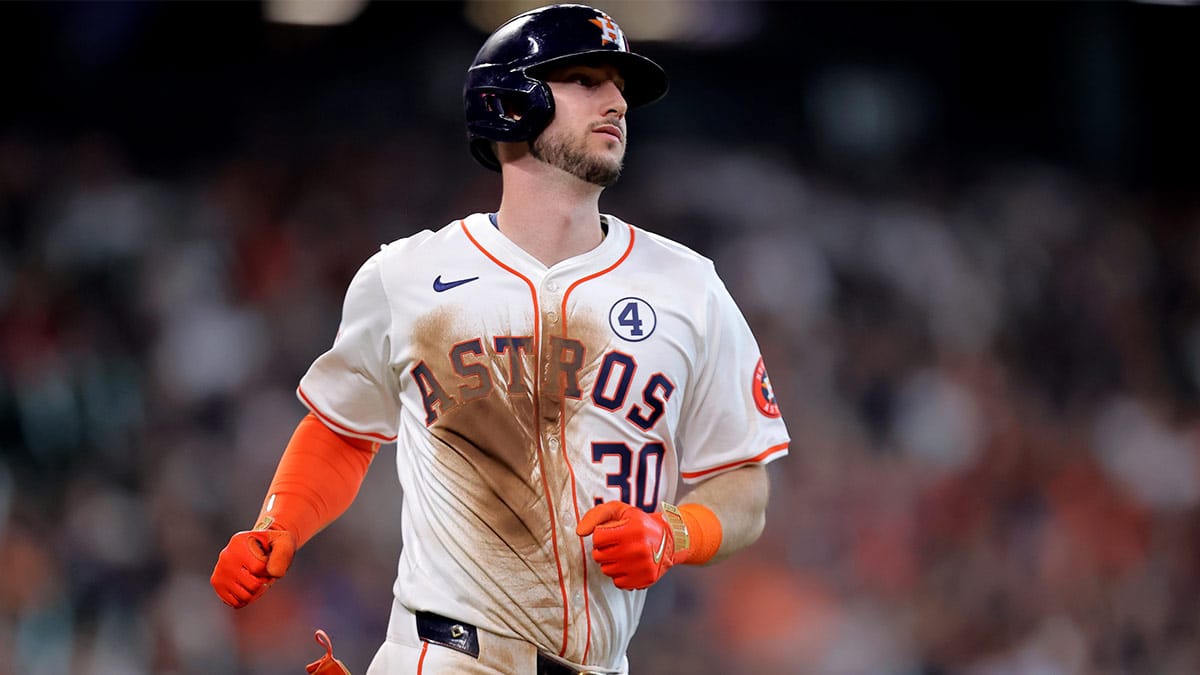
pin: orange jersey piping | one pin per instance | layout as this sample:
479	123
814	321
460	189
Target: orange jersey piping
587	605
329	422
750	460
537	340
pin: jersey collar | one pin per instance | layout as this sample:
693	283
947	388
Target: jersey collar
604	255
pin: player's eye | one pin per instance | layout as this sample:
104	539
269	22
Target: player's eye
582	79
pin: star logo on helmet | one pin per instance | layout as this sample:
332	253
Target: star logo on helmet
610	32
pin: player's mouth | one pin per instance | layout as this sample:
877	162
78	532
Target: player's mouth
610	130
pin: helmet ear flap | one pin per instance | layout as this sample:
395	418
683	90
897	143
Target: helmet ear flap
507	113
494	103
536	109
484	152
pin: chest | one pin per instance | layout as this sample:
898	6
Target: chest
621	344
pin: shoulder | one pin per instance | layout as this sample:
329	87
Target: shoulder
423	243
668	255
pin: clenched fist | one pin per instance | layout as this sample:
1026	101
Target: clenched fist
633	547
251	562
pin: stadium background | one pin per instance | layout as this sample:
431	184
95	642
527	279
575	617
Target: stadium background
965	234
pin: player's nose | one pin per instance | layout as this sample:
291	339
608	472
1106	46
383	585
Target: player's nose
614	100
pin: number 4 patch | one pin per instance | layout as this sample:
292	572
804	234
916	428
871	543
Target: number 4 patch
632	319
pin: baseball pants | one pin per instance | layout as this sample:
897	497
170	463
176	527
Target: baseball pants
412	648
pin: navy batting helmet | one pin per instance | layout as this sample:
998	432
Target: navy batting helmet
506	95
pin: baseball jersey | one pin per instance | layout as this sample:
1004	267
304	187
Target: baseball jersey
521	395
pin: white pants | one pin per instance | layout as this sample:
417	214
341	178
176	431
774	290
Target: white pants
404	653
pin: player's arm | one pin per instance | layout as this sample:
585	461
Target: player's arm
317	479
720	517
738	502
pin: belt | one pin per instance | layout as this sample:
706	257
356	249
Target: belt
463	637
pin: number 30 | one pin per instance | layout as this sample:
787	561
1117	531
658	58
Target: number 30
647	479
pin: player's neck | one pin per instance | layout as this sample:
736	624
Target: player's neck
552	220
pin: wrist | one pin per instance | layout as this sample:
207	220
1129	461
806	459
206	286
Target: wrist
280	513
703	531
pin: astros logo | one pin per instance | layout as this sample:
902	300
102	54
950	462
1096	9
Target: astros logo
764	394
610	32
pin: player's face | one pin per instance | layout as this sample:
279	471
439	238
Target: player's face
586	138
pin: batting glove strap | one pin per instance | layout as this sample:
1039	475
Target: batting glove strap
678	525
326	665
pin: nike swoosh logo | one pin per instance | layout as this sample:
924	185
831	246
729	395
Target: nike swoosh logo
661	547
439	285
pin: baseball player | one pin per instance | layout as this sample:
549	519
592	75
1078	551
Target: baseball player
548	373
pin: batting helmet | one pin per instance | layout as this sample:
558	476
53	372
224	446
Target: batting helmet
506	95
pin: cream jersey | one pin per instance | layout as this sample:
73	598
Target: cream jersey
520	396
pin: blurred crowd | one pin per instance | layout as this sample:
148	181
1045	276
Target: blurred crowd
991	392
990	373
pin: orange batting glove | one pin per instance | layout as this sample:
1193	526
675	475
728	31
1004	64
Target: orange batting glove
633	547
251	562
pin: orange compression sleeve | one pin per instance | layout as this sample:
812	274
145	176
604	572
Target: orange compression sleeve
704	530
317	479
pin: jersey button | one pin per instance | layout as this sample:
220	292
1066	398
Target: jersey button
552	286
552	316
553	442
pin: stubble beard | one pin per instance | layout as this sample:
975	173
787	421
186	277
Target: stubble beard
560	151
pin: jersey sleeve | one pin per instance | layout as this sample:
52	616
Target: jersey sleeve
351	387
730	418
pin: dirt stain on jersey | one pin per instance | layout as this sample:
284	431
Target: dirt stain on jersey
485	457
495	455
492	434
